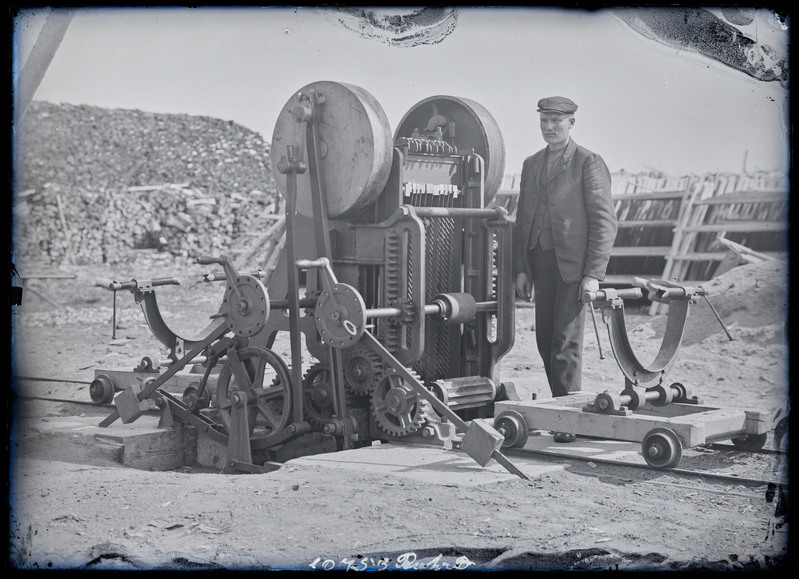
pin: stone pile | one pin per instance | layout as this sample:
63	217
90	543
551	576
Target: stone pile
93	184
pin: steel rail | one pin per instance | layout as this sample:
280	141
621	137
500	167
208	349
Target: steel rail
526	453
40	379
705	475
80	402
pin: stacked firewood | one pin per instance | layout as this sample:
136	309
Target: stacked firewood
94	184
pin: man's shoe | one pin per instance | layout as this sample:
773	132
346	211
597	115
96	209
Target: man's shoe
564	437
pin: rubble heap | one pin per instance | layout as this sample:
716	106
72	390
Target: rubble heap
94	183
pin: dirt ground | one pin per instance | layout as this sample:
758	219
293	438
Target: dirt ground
71	508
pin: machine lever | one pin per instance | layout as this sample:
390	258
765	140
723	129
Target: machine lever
718	317
596	330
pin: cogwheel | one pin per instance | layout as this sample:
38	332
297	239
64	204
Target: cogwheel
363	371
319	393
396	407
317	388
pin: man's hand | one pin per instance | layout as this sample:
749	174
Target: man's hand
588	284
524	289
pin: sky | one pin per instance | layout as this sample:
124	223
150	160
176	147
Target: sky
643	105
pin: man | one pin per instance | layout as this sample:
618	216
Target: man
564	231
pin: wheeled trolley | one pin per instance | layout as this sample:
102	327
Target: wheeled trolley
663	431
665	419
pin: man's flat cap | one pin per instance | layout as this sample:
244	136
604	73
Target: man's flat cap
557	104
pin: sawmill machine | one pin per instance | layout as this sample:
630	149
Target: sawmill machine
394	291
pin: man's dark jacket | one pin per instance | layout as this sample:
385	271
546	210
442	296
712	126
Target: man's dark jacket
581	211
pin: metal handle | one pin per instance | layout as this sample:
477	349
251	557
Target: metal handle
211	259
609	294
309	263
134	285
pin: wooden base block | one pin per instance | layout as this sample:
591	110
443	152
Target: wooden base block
156	449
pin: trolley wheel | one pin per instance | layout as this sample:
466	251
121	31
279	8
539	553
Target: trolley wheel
513	427
662	448
751	442
101	390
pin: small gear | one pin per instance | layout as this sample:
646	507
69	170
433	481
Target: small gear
363	371
317	387
319	395
397	408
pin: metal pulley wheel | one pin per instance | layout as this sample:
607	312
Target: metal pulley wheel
354	146
269	407
467	125
340	316
246	304
102	390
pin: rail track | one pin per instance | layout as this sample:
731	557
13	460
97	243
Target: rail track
699	474
527	453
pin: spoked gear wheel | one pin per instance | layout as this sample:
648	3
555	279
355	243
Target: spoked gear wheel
396	407
270	407
363	371
319	393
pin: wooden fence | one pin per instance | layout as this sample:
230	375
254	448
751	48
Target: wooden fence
669	227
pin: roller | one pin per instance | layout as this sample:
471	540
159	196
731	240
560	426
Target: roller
355	148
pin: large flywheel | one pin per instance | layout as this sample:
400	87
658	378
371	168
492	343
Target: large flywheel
241	381
355	146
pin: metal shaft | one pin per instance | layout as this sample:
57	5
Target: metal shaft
596	330
718	317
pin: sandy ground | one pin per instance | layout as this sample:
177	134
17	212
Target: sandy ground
73	508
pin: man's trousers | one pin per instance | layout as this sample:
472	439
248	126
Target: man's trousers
559	323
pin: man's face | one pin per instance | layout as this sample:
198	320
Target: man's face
555	128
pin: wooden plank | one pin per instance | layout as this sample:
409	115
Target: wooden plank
714	256
642	251
739	249
144	188
684	242
692	191
773	226
642	196
746	197
648	223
